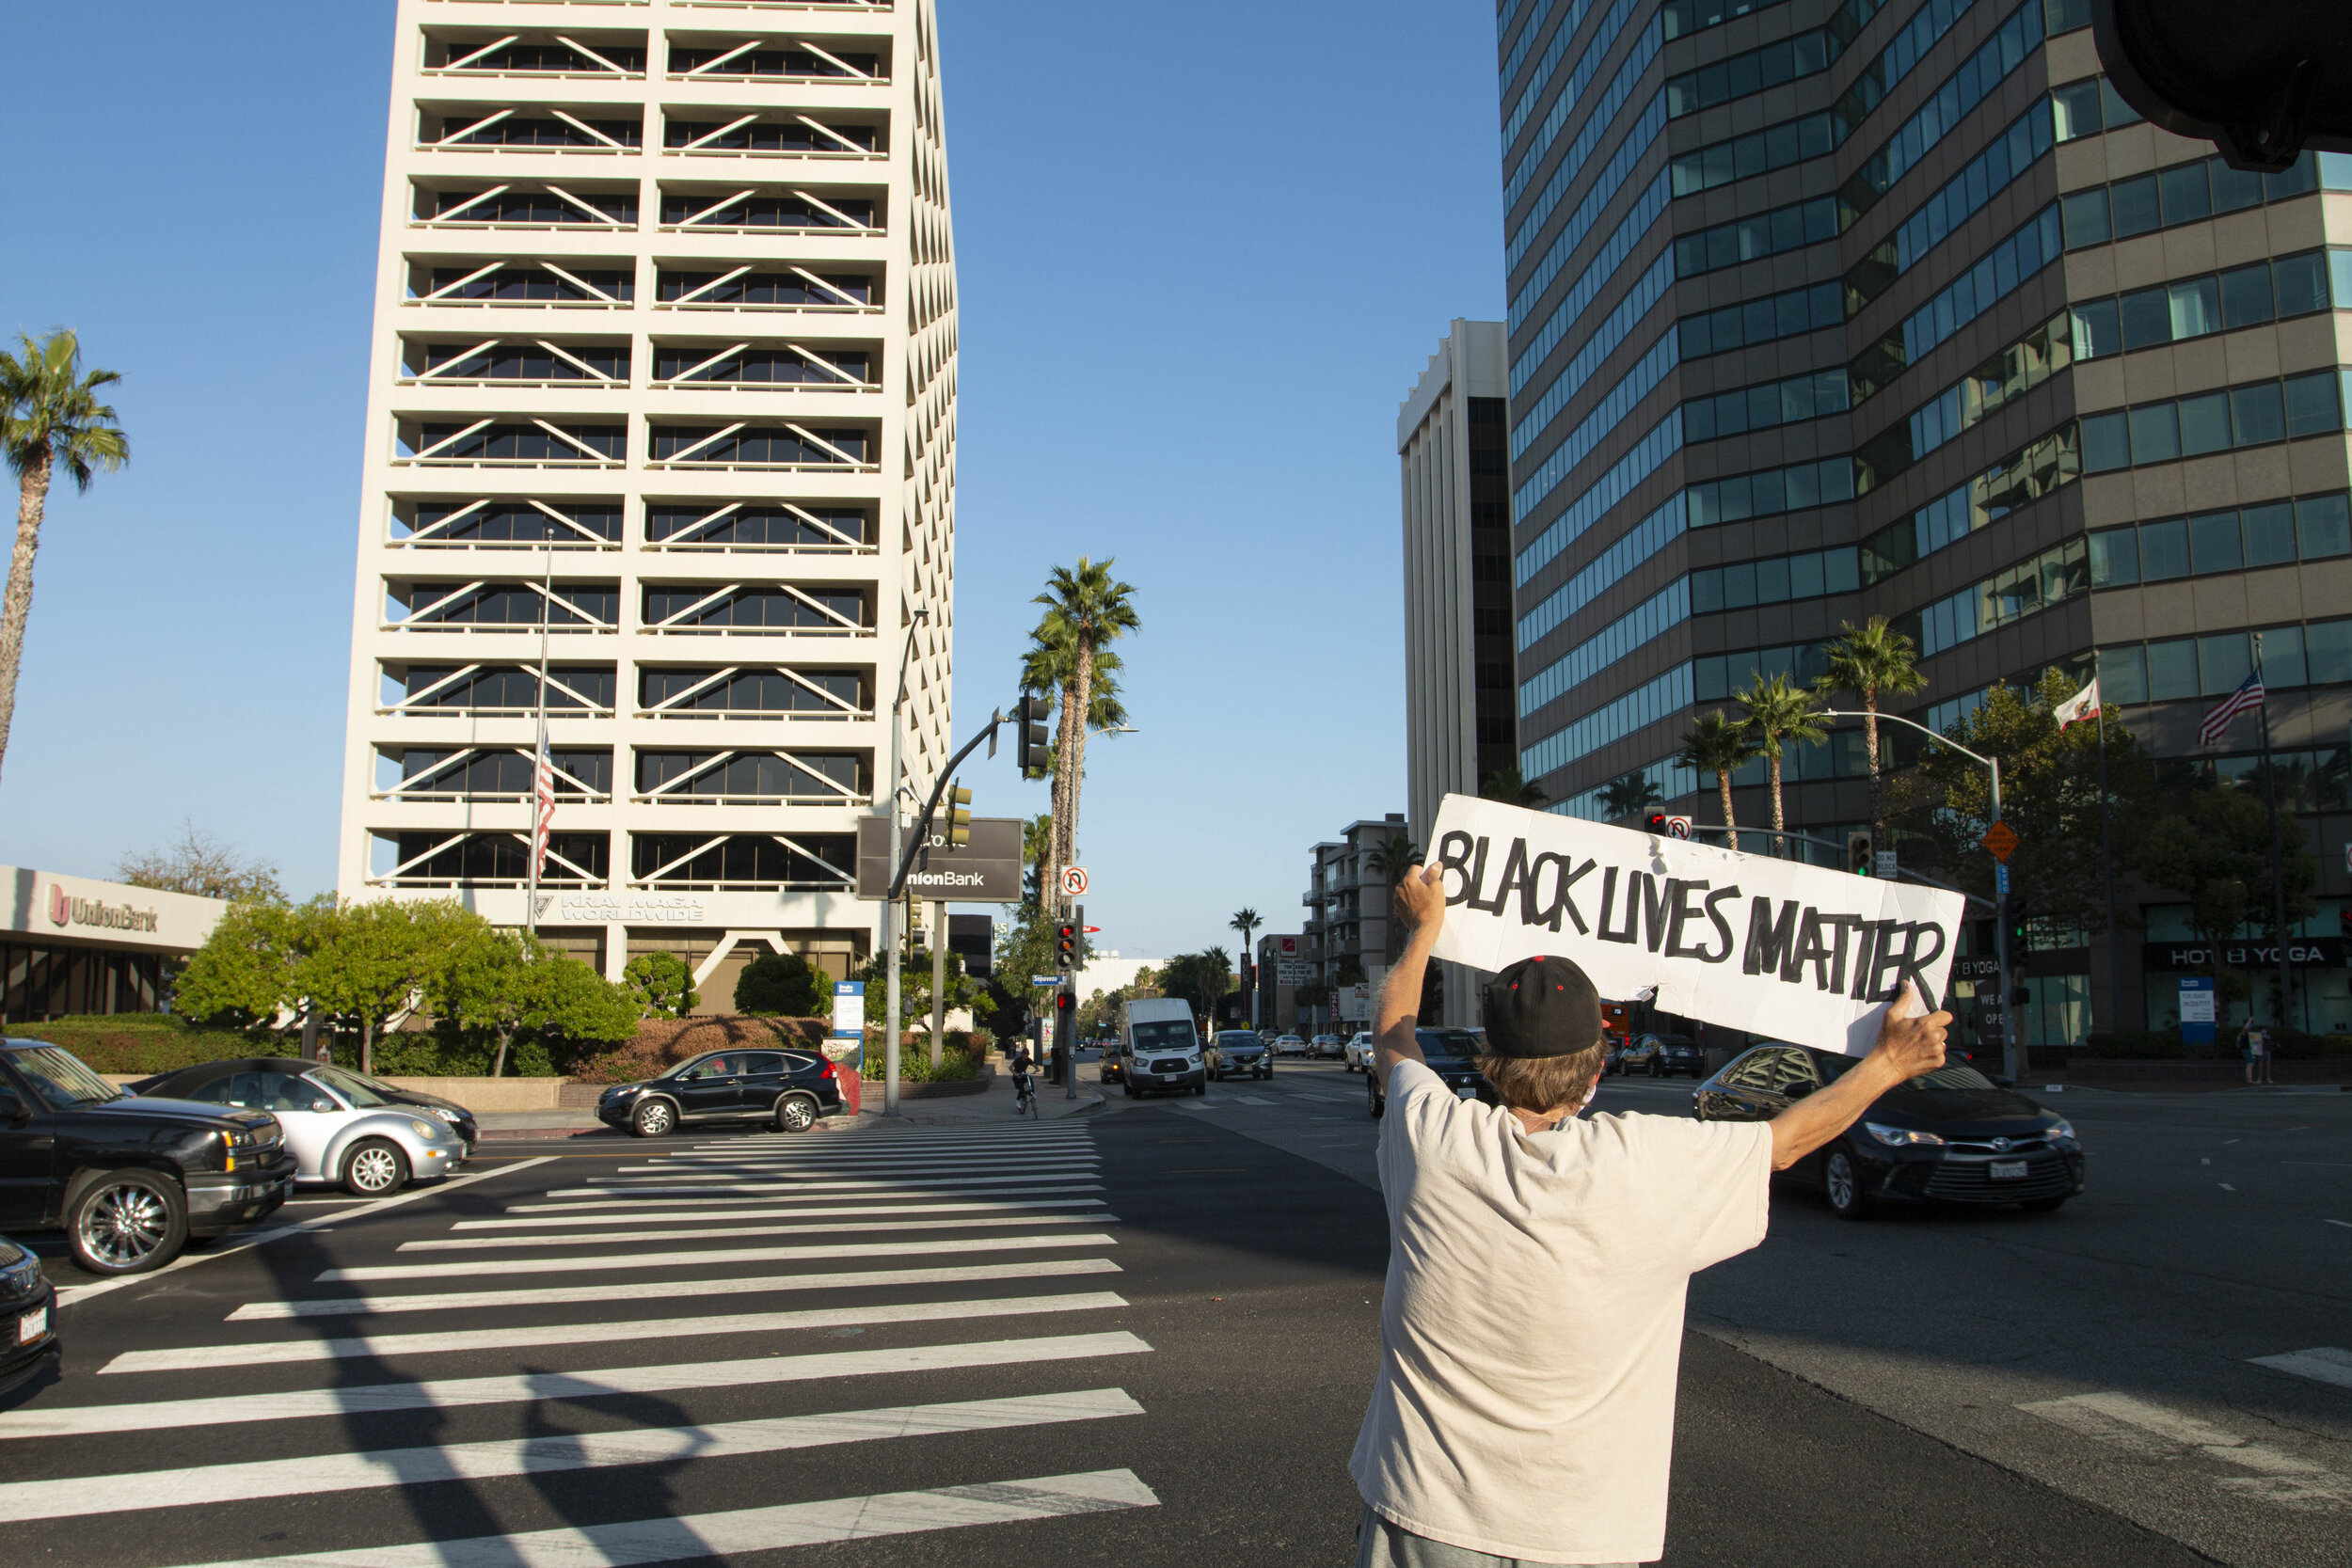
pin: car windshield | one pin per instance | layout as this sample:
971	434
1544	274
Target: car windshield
1952	1075
61	1080
350	1086
1237	1040
1450	1043
1166	1035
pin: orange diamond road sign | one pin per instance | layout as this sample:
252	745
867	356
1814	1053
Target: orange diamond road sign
2002	840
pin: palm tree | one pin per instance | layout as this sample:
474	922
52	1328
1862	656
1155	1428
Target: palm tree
1778	713
1389	860
1087	610
1037	847
1717	745
1046	670
1246	921
50	418
1623	797
1513	789
1874	661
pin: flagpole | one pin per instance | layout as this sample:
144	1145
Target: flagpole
2107	847
2278	882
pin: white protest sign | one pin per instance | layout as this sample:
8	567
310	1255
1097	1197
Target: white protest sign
1777	948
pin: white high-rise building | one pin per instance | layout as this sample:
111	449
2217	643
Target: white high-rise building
663	399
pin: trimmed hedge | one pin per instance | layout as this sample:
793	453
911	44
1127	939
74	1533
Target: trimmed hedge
142	1044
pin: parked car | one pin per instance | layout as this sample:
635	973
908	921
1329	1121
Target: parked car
28	1317
1326	1048
788	1089
1289	1045
342	1129
128	1179
181	1083
1952	1135
1158	1047
1659	1055
1451	1055
1357	1056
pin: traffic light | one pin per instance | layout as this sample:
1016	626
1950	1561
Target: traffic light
1029	749
1658	823
1861	857
1064	1002
1066	945
959	818
2020	929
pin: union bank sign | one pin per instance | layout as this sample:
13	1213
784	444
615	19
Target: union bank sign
66	910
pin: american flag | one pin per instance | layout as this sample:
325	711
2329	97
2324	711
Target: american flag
543	812
2247	697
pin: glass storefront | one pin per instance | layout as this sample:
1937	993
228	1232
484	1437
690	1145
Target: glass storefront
44	981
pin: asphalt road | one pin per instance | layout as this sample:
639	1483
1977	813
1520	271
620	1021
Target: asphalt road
1153	1346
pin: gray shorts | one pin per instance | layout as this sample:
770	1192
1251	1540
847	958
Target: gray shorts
1382	1542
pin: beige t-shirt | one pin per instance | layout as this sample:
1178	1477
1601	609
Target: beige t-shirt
1532	1326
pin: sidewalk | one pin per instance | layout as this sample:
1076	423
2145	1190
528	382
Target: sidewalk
991	1105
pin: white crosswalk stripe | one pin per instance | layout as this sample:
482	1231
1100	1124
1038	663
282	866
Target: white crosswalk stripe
902	1226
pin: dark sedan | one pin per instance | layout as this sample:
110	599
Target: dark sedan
1659	1055
1951	1137
28	1317
197	1082
1451	1054
788	1089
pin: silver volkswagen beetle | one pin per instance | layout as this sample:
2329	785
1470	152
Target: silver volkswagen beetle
339	1130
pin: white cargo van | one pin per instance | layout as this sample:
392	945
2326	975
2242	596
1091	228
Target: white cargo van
1158	1047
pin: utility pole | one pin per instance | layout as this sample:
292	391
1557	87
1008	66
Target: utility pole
890	905
2278	880
939	978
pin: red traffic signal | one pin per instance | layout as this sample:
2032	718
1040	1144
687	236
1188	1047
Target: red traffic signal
1066	945
1063	1001
1657	822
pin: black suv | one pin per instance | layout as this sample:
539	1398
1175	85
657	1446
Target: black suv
789	1088
128	1179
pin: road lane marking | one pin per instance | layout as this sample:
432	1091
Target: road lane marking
556	1295
751	1529
602	1237
366	1470
2347	1224
1255	1099
740	1189
558	1222
632	1176
260	1238
187	1358
846	1189
2327	1364
2154	1431
733	1256
452	1393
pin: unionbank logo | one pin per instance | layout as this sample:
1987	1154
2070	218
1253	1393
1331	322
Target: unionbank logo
64	911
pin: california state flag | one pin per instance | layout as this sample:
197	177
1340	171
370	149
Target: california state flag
2081	705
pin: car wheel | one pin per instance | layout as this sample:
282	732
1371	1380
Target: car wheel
127	1222
653	1118
795	1112
1200	1088
2043	1205
374	1168
1842	1176
1131	1092
1654	1071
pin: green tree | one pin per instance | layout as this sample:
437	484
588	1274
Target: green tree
1630	793
2211	843
1779	713
664	986
1389	860
1718	746
1087	610
1872	660
1513	789
2049	796
481	983
372	962
567	1001
782	984
1246	921
50	418
1201	979
244	973
1348	970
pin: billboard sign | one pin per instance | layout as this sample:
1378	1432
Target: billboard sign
985	871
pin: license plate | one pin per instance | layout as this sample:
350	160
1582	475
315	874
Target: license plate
1466	1094
2007	1171
32	1325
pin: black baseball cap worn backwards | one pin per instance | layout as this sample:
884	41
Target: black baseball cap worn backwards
1542	1006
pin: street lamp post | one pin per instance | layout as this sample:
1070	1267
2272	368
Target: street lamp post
2010	1050
890	904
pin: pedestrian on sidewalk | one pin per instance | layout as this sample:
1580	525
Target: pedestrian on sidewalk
1531	1329
2258	1055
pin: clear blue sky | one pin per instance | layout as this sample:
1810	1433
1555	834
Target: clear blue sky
1205	251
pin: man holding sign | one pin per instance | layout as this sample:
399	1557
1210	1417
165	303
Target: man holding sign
1531	1329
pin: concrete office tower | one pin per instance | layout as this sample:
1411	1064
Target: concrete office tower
662	397
1460	727
1830	308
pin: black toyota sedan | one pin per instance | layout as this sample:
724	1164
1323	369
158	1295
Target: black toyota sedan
1659	1055
790	1090
1952	1135
1451	1054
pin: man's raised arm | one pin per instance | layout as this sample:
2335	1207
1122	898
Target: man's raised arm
1911	1042
1420	903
